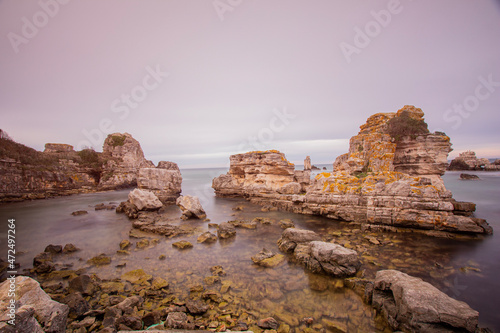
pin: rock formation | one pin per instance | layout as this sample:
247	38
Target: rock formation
60	170
190	207
125	158
307	163
144	200
389	179
165	181
469	161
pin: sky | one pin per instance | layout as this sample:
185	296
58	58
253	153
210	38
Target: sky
197	81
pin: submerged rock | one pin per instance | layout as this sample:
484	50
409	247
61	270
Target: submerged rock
100	260
267	258
410	304
226	230
79	212
190	207
329	258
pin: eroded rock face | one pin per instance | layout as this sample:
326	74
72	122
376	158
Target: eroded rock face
164	181
37	306
258	173
386	180
410	304
125	159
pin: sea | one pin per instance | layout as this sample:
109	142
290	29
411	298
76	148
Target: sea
467	270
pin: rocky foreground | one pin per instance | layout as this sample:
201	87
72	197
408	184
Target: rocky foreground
389	180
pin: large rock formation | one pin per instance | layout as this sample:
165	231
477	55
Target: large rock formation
259	173
412	305
165	181
60	170
390	178
469	161
125	158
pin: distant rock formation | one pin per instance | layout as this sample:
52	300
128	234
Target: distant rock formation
60	170
391	178
468	161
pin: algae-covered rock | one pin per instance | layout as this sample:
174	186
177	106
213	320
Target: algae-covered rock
137	276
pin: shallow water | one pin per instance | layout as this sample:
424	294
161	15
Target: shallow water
286	291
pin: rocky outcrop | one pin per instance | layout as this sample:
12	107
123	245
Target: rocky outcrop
410	304
259	173
190	207
469	161
125	158
307	163
37	312
60	170
164	181
390	178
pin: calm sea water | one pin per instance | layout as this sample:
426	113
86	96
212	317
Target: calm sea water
465	270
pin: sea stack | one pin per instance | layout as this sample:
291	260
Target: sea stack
389	179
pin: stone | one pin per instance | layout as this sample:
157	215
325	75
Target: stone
125	244
112	287
207	237
190	207
50	315
466	176
286	223
69	248
164	181
268	323
142	244
76	303
137	276
196	307
53	249
291	237
411	304
267	258
244	224
79	212
159	283
178	320
100	260
329	258
129	303
226	230
182	245
144	200
82	284
25	321
307	163
128	209
468	161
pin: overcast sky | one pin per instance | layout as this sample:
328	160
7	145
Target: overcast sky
196	81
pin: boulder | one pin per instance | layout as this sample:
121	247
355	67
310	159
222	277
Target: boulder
53	249
267	258
82	284
181	245
38	306
207	237
144	200
226	230
411	304
128	209
329	258
196	307
291	237
190	207
178	320
165	181
69	248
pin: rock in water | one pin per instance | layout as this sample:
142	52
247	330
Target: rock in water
144	200
207	237
329	258
410	304
37	307
226	230
467	176
291	237
164	181
190	207
389	179
267	258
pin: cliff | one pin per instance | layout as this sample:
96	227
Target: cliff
389	179
60	170
469	161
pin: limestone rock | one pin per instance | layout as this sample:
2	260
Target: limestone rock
466	176
165	181
144	200
207	237
267	258
37	306
181	245
190	207
410	304
226	230
58	148
469	161
291	237
329	258
307	163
